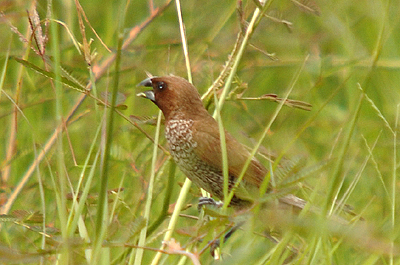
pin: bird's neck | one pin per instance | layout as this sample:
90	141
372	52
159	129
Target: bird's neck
180	114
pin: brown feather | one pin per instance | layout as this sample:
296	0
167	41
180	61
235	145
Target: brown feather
209	150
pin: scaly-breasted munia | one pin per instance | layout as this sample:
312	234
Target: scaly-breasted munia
194	141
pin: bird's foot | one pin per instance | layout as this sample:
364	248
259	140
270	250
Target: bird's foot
216	243
209	201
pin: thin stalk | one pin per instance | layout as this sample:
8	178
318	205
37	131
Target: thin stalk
264	185
225	166
61	189
101	220
258	13
337	175
250	29
186	186
147	208
75	218
12	143
167	199
174	218
393	183
184	40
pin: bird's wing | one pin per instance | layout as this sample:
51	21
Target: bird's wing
209	150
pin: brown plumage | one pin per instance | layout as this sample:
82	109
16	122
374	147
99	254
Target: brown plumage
194	140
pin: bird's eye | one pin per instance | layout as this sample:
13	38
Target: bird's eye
161	85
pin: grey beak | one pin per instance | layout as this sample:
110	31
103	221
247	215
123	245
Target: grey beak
149	94
147	82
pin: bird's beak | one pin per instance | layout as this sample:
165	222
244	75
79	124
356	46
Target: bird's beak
147	82
149	94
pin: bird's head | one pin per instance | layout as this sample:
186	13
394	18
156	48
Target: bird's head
173	95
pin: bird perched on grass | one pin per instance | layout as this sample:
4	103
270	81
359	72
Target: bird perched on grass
194	140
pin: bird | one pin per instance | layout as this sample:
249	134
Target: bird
194	142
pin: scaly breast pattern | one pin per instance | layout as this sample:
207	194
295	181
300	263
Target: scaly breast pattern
179	135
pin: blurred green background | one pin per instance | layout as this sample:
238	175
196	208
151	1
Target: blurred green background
350	44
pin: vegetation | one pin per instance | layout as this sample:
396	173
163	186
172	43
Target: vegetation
85	173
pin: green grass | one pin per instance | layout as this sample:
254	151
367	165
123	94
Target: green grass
84	183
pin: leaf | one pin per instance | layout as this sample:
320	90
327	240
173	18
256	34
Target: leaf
214	212
308	6
50	231
288	102
121	98
65	81
302	174
136	226
28	217
290	167
238	91
13	256
145	120
7	218
277	18
22	216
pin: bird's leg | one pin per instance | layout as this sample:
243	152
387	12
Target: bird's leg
215	244
232	230
203	201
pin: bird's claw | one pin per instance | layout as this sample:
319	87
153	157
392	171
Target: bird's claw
209	201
